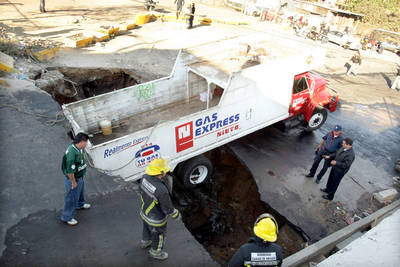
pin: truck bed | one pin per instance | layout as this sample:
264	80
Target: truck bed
148	119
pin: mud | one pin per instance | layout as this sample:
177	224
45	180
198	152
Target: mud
68	85
221	214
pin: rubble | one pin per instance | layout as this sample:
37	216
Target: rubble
386	196
50	80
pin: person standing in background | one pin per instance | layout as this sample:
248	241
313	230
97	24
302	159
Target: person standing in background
396	82
179	4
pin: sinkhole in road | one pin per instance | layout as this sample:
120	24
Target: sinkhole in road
221	213
68	85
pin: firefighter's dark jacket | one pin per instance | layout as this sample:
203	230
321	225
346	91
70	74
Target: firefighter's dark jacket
344	158
256	252
156	202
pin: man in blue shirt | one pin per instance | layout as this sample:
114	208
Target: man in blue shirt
330	143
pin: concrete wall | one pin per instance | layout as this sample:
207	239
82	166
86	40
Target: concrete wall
196	84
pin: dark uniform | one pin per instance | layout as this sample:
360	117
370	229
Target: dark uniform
189	21
331	145
344	158
256	252
155	209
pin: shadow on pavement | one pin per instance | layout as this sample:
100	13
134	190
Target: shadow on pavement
107	235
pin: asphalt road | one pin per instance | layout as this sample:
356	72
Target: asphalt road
31	197
278	162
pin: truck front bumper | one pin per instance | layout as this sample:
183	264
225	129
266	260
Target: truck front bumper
333	103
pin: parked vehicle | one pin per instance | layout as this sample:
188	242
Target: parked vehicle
215	94
316	35
389	40
391	46
255	9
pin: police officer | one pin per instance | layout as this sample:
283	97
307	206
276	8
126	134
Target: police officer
156	207
330	143
261	250
341	163
74	168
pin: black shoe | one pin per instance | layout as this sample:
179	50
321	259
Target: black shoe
324	190
309	175
326	197
317	181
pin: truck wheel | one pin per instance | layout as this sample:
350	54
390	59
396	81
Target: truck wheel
317	119
196	171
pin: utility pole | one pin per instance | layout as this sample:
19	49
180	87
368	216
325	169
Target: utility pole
42	8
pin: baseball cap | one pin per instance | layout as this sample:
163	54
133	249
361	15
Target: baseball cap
337	128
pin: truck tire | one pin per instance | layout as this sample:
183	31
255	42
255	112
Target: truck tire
196	171
317	119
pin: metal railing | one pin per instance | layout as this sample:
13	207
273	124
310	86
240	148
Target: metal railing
329	243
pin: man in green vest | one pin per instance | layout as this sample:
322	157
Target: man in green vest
74	168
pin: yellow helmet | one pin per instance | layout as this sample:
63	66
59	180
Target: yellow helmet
157	167
266	228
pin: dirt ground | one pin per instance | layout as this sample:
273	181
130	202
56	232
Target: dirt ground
221	214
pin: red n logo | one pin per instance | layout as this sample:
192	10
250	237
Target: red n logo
184	136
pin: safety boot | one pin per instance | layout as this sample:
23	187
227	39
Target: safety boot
145	244
158	254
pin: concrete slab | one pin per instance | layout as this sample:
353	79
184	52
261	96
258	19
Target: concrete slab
378	247
386	195
32	192
344	243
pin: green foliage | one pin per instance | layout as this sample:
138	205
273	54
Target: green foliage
380	13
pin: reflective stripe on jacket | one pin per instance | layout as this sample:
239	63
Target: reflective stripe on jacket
257	253
156	202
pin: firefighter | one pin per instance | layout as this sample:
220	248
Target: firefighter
156	207
261	250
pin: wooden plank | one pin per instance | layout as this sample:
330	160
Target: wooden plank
328	243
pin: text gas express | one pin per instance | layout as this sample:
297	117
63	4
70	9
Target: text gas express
209	123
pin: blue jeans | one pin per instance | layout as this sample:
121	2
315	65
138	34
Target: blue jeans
74	198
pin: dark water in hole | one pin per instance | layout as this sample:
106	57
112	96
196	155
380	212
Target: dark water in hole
221	214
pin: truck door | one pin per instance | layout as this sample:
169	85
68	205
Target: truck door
301	93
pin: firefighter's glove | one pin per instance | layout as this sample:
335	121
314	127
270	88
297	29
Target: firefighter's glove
176	215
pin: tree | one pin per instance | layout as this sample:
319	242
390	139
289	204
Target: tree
42	8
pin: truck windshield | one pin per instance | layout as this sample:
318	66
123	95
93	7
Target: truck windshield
300	85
